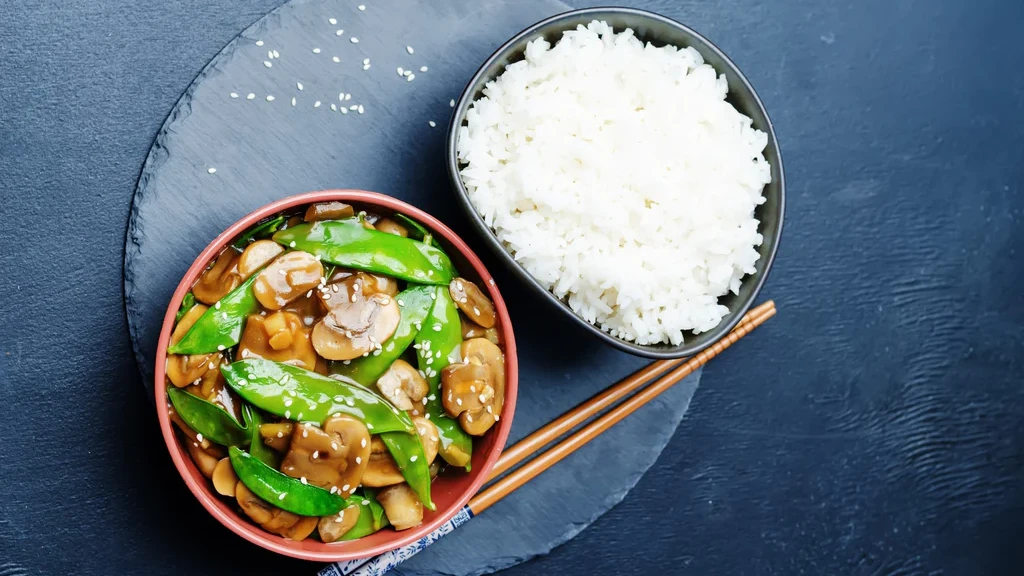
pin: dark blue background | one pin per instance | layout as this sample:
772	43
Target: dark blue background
873	427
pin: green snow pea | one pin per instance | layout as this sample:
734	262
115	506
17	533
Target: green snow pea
371	515
220	327
260	230
186	304
442	333
417	231
208	419
282	490
407	450
347	243
414	303
253	419
305	396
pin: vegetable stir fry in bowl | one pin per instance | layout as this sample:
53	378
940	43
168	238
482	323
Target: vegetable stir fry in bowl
338	375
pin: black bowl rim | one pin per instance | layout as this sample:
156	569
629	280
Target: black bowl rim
699	41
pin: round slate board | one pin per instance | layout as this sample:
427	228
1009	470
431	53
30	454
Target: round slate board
263	149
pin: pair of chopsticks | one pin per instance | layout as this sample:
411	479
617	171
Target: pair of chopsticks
677	370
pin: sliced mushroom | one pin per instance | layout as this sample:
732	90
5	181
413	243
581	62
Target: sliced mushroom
472	301
224	478
381	469
279	336
214	388
471	329
427	432
335	526
182	369
402	506
307	307
289	276
257	255
205	462
338	293
391	227
356	329
333	457
271	518
277	435
328	211
219	279
322	367
475	389
403	386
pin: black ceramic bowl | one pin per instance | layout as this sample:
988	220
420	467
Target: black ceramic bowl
658	30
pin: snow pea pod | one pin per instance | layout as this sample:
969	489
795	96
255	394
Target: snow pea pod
417	231
407	450
371	515
208	419
220	327
414	303
347	243
305	396
186	304
257	448
261	230
282	490
442	333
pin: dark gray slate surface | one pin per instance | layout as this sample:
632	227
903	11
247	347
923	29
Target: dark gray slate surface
872	427
264	150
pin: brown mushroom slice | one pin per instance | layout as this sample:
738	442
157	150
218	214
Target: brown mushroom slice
289	276
403	386
335	526
271	518
381	469
472	301
471	329
402	506
254	507
333	210
391	227
224	478
334	457
301	529
183	370
465	387
339	291
206	463
356	329
256	256
277	435
307	307
427	432
279	336
219	279
475	390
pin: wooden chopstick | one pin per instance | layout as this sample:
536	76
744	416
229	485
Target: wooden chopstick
594	405
498	490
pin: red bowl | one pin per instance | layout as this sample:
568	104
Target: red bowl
449	492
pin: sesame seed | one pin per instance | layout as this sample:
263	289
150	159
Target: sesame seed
334	489
292	393
280	435
250	96
350	402
299	85
362	442
224	315
199	437
400	302
412	458
354	107
401	72
438	354
270	98
341	96
472	389
437	327
376	353
496	417
334	107
468	417
283	494
209	366
268	64
259	42
334	445
348	97
309	293
451	103
220	347
316	454
270	54
365	502
345	488
211	171
366	60
299	417
361	109
369	427
359	459
326	296
234	94
409	49
316	104
332	21
288	414
432	123
427	416
432	397
336	59
316	50
353	296
361	7
423	68
335	288
303	480
293	100
433	295
282	272
354	40
410	77
339	32
277	54
458	401
366	66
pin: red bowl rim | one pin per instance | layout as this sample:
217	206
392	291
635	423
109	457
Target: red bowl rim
307	550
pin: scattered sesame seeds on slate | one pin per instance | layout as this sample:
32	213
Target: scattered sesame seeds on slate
259	42
334	107
299	86
406	72
343	110
354	40
353	107
316	50
293	100
270	54
432	123
336	59
348	96
361	7
451	103
250	96
316	104
401	72
212	171
267	64
409	49
423	68
339	32
234	94
277	54
332	21
366	60
410	77
270	98
360	108
366	66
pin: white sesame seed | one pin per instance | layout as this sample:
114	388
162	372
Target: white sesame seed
332	21
199	437
468	417
361	7
224	315
299	417
299	85
283	494
287	402
496	417
365	502
277	54
366	66
210	366
270	98
451	103
354	40
212	171
427	416
423	68
234	94
347	98
472	389
407	73
412	458
220	347
433	295
409	49
361	109
293	100
401	72
268	64
437	327
366	60
339	32
432	124
341	96
362	443
334	107
270	54
316	104
288	414
334	489
437	354
359	460
250	96
334	445
282	271
292	393
345	488
458	401
316	454
490	410
354	107
369	427
336	59
259	42
476	310
350	402
432	397
316	50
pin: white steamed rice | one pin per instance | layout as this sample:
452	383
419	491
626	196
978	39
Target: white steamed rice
619	177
